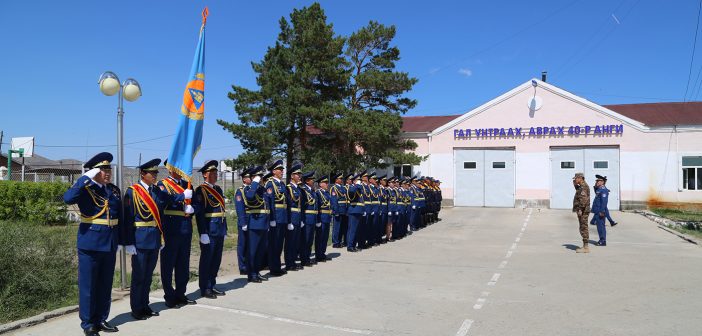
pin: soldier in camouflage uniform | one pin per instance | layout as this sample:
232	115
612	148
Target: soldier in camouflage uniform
581	206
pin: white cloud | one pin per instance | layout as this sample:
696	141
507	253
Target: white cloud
465	72
434	70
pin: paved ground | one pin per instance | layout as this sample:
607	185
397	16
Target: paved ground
477	272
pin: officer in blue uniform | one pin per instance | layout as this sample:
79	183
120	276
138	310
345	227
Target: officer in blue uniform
418	204
393	212
257	212
294	226
374	215
339	202
383	208
599	208
242	222
345	218
99	235
212	227
144	204
356	210
310	206
275	187
321	234
363	230
178	234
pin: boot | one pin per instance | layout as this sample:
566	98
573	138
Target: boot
583	249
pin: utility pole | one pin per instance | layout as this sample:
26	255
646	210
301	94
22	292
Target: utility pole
1	134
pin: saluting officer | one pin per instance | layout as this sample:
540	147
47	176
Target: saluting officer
99	235
242	221
278	218
212	227
143	209
310	206
293	232
339	202
581	206
257	211
355	212
321	234
178	234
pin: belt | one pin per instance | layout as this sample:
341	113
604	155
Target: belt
325	211
358	203
214	214
375	202
311	212
343	202
281	206
101	221
295	209
174	213
145	224
257	211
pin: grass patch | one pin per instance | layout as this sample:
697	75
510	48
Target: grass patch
38	269
691	232
679	215
230	242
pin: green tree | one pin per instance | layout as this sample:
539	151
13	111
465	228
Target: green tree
368	133
302	80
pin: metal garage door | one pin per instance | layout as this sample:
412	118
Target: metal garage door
484	177
565	162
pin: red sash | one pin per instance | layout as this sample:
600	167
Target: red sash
175	186
214	193
143	195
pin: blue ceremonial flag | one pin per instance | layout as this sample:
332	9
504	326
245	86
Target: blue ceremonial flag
188	137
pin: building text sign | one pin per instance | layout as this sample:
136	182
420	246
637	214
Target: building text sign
537	132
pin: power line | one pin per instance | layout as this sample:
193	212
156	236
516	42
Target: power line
694	47
92	146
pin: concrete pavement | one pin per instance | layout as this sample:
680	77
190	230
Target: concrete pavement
479	271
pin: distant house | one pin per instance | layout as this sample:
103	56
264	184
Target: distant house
41	169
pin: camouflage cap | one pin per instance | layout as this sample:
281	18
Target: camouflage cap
581	175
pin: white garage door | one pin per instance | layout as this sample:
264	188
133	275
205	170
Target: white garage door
591	161
484	177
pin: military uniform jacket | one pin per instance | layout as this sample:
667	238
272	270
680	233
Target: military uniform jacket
406	199
383	199
325	206
174	220
417	197
339	199
310	205
292	195
356	199
140	223
210	210
279	204
581	200
241	218
97	205
257	205
374	201
599	204
392	200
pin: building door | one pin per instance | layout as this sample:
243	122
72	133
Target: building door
484	177
591	161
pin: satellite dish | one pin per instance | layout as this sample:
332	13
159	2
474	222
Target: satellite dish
534	103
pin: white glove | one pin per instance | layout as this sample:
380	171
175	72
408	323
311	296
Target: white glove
204	239
291	227
364	213
373	213
257	179
389	213
319	224
131	249
188	193
91	173
245	227
302	224
189	209
358	181
272	223
413	207
397	213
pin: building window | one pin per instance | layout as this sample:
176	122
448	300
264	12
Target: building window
498	165
692	172
600	164
470	165
404	170
567	164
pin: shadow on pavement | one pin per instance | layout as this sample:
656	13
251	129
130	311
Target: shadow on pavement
570	246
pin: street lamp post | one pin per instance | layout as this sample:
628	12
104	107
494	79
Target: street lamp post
131	91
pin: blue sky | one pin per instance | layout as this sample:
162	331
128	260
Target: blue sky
463	52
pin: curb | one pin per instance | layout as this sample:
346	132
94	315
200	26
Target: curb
665	224
43	317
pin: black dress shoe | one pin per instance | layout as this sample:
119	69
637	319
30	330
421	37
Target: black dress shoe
218	292
262	277
277	273
352	249
139	316
208	294
148	312
613	224
336	245
307	263
254	279
91	331
173	304
106	327
185	301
